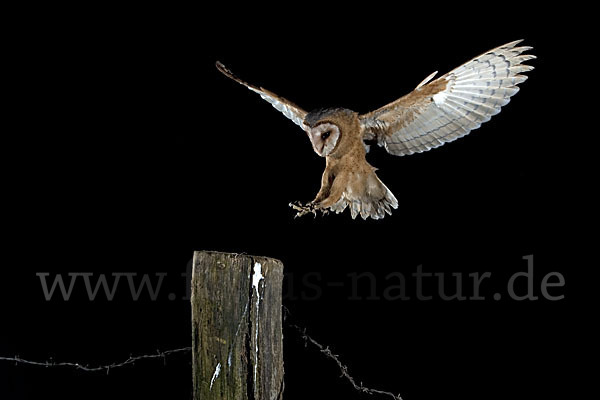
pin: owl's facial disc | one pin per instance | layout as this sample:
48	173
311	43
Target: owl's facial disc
324	137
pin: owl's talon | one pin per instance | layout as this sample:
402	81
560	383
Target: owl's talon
308	208
302	209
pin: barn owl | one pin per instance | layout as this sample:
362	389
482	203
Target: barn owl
435	112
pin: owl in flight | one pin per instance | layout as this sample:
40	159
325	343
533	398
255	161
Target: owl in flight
435	112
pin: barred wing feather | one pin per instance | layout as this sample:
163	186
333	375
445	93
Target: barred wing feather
451	106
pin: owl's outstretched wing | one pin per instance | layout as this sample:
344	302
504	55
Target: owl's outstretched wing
451	106
287	108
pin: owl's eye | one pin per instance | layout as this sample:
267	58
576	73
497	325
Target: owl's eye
325	135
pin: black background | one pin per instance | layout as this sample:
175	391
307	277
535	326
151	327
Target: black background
125	150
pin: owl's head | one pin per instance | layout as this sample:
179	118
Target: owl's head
323	131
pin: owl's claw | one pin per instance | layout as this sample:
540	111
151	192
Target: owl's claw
308	208
303	209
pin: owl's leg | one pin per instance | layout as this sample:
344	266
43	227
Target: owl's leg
333	196
330	192
332	188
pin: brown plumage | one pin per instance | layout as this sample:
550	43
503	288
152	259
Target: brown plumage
348	179
434	113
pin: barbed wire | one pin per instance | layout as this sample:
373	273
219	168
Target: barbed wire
131	360
164	354
329	354
344	369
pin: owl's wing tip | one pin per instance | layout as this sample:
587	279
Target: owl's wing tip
513	43
227	72
222	68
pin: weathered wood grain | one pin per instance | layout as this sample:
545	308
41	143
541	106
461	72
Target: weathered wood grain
237	327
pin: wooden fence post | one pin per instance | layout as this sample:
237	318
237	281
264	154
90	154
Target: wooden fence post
236	327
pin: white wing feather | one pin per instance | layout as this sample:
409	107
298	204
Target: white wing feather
471	95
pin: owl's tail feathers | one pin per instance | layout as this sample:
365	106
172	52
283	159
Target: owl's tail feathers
375	200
